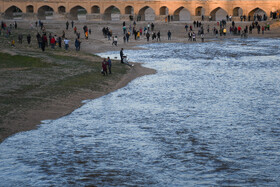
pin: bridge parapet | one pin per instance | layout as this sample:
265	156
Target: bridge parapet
179	10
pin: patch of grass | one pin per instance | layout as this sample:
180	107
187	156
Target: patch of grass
2	129
23	89
89	80
19	61
81	80
10	103
64	57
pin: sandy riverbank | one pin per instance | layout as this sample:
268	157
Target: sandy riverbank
26	118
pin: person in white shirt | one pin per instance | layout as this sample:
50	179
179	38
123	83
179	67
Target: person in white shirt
115	41
66	42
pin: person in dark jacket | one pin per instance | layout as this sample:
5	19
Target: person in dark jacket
28	38
109	62
121	54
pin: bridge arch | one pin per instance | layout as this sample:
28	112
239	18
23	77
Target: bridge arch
199	11
237	12
257	12
147	14
30	9
182	14
61	10
45	11
13	12
218	14
95	9
78	12
129	10
163	10
112	13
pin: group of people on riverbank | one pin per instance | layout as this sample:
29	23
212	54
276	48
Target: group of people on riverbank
221	29
44	40
7	30
44	37
132	31
136	32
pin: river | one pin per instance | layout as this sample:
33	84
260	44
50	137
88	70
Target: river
210	116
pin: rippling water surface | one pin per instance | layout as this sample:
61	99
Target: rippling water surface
210	116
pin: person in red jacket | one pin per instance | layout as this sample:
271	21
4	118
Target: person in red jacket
45	40
53	42
104	67
239	30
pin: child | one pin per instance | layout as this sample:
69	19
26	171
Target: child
13	43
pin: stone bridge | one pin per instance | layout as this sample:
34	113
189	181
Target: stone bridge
148	10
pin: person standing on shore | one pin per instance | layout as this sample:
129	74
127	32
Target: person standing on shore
158	36
121	54
115	41
259	29
124	39
39	40
20	37
63	34
43	44
28	38
148	36
127	36
45	40
53	42
104	67
59	42
77	44
169	35
202	37
86	35
109	62
72	23
13	43
66	42
67	25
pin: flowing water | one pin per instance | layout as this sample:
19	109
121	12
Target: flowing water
209	117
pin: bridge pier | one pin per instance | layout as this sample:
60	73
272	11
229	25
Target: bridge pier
59	16
29	16
160	18
125	17
96	17
197	18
